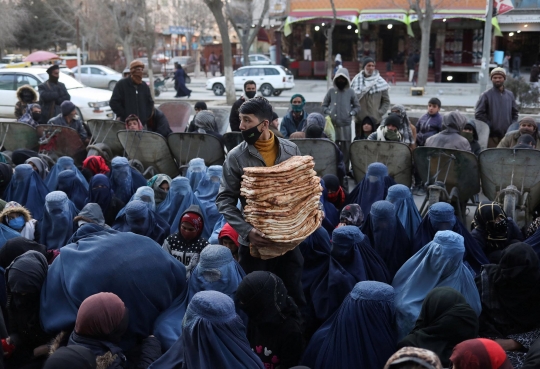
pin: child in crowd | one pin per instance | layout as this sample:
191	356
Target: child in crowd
228	237
133	123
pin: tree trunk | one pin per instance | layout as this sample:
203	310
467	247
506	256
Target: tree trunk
329	35
423	67
198	62
128	52
245	47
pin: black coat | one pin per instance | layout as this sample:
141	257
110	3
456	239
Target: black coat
130	98
51	96
234	118
159	124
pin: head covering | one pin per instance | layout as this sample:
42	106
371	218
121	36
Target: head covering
331	182
393	120
155	182
228	231
91	213
96	164
71	357
316	119
480	353
20	156
72	187
297	95
16	247
352	260
207	191
195	172
316	253
445	320
124	179
213	334
205	121
6	172
144	194
27	273
42	168
367	60
454	121
510	291
387	235
406	209
421	357
63	163
331	214
440	217
201	105
100	316
438	264
491	220
134	117
194	219
314	131
373	187
352	215
67	107
27	188
216	271
52	68
179	198
498	71
57	225
360	335
404	119
135	63
139	219
100	192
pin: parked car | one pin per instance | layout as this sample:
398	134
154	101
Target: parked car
258	59
14	61
63	68
270	79
187	62
156	65
98	76
91	103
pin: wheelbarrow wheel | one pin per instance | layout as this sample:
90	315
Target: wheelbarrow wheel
509	205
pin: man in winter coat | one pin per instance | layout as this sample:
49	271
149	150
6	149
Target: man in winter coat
295	120
341	104
25	95
497	107
450	137
250	90
430	123
132	96
69	118
527	126
372	93
52	94
470	133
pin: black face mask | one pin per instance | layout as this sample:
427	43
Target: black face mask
53	79
341	84
36	116
252	135
251	94
27	96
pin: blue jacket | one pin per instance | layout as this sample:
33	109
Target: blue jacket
288	126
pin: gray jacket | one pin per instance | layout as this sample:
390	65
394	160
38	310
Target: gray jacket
77	125
341	106
237	159
498	109
450	137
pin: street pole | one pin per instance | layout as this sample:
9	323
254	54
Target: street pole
486	50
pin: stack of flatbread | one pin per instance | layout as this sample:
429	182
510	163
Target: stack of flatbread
283	203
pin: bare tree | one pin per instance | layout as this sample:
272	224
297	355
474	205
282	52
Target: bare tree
11	19
125	21
149	41
216	7
241	16
329	33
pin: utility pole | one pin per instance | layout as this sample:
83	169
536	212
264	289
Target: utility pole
486	50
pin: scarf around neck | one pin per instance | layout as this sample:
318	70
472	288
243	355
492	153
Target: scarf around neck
369	85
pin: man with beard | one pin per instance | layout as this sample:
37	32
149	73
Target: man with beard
527	126
497	107
132	96
250	90
51	95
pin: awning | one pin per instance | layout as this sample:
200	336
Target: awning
303	15
262	35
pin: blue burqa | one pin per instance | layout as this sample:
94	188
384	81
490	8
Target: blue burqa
63	163
124	179
331	213
144	194
28	189
6	234
316	252
373	187
406	209
141	220
352	260
57	225
440	217
100	192
133	267
195	172
361	334
387	236
213	336
179	198
206	194
71	185
438	264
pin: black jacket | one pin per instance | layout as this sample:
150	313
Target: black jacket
51	96
234	118
158	123
130	98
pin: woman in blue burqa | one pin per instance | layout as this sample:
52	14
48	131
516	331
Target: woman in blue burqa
361	334
213	336
58	224
179	198
352	260
72	187
195	172
27	189
440	217
331	213
141	220
406	210
124	179
101	193
206	194
373	187
144	194
63	163
387	236
438	264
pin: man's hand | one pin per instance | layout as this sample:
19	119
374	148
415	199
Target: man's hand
509	344
257	238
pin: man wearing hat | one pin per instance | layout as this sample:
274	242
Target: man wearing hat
132	96
52	94
527	126
388	130
372	93
497	107
69	118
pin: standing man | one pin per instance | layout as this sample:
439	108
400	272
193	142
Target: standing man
372	93
51	95
411	64
213	60
221	65
260	148
132	96
497	107
250	90
307	45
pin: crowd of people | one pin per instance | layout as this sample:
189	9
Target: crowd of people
104	268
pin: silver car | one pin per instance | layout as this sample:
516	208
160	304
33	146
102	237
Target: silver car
98	76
